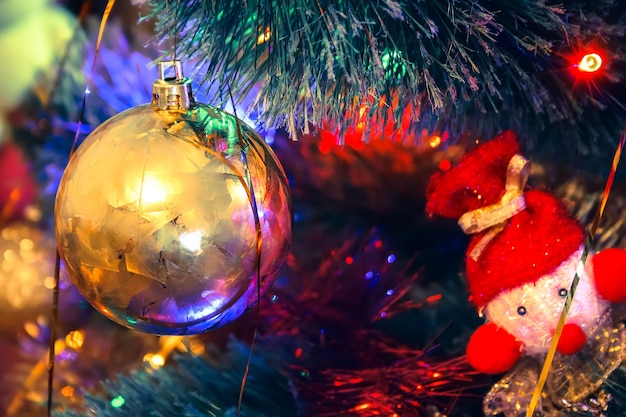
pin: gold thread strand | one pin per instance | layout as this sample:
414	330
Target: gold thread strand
259	245
55	293
570	296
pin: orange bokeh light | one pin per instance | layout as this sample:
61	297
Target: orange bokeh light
67	391
435	141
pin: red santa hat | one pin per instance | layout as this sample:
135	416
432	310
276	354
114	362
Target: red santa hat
527	233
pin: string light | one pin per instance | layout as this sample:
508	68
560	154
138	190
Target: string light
118	401
264	36
157	361
67	391
591	62
587	67
434	141
168	344
75	339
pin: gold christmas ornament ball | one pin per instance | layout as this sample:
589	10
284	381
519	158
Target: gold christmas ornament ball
165	220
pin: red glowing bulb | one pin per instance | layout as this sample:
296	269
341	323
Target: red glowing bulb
590	63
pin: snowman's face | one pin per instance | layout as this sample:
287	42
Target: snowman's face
531	312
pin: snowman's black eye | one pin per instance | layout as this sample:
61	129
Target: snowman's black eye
563	293
521	310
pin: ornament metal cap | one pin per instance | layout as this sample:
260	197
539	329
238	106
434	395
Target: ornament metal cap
171	93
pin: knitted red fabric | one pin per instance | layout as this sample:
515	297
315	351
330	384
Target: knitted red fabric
476	181
609	270
533	243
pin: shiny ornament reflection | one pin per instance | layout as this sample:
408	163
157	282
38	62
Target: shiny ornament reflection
154	218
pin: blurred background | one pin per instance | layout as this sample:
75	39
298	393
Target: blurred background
370	314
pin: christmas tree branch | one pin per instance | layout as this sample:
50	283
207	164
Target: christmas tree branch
196	386
320	61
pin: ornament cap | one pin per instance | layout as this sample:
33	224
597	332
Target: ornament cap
171	92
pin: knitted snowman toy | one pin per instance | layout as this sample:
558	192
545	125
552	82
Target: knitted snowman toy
522	258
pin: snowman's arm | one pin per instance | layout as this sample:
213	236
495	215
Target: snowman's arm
609	270
492	350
